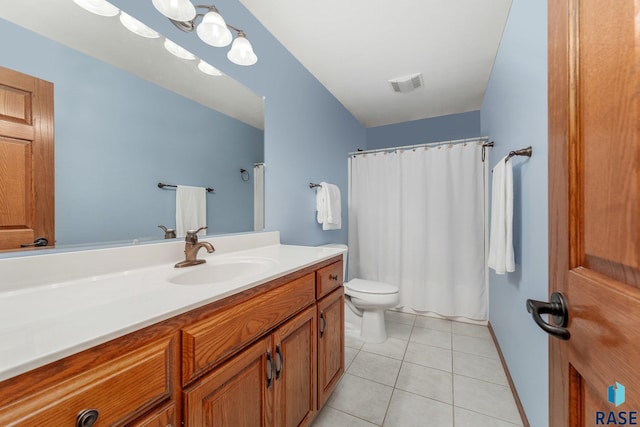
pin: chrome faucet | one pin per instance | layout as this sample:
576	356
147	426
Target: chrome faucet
191	248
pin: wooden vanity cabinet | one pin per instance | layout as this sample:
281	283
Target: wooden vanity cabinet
271	383
268	356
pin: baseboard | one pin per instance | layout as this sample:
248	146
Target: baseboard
523	416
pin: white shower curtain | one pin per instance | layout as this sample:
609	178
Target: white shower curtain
416	219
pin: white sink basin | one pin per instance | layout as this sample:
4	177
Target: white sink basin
223	270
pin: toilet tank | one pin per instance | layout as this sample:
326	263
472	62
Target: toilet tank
345	250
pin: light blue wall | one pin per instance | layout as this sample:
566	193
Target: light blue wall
308	133
116	136
435	129
514	115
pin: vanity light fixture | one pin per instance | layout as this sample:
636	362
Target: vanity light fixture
212	29
99	7
104	8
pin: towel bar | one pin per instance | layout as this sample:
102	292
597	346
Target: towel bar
161	185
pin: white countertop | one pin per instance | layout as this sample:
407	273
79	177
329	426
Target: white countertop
45	322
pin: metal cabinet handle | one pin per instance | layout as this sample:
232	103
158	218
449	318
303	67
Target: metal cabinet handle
333	277
269	368
323	323
87	418
281	367
558	311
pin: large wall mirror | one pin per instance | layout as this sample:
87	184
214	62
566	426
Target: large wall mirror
128	115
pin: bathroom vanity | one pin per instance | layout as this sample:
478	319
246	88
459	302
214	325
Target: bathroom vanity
264	349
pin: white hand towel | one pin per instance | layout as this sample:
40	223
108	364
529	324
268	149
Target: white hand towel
501	257
191	209
328	205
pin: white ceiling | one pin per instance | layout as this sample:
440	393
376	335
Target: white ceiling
353	47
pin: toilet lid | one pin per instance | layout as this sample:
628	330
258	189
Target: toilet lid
371	287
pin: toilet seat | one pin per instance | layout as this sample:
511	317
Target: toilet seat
370	287
372	295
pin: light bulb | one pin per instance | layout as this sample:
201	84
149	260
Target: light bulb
137	27
178	50
208	69
178	10
213	30
99	7
241	52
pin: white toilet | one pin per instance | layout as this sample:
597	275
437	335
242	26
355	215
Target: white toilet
368	300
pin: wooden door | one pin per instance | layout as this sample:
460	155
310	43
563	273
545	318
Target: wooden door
330	343
594	209
26	160
237	393
295	361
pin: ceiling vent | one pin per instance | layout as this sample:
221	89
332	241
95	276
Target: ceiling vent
406	83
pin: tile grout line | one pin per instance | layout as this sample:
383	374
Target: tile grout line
386	412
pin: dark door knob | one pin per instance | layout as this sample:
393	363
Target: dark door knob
558	312
40	241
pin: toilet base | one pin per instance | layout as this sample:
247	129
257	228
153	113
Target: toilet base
374	329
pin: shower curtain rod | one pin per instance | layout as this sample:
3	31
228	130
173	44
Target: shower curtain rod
428	144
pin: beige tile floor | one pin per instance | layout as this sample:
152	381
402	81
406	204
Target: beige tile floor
429	372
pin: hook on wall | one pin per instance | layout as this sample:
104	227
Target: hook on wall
244	174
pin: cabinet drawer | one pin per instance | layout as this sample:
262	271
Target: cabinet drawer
328	278
208	342
118	390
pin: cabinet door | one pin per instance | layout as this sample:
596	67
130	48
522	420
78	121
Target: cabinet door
330	343
295	366
237	393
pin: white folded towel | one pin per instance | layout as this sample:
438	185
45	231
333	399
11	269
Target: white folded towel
191	209
328	206
501	257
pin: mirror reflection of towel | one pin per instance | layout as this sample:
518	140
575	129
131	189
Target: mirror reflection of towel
328	206
501	257
191	209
